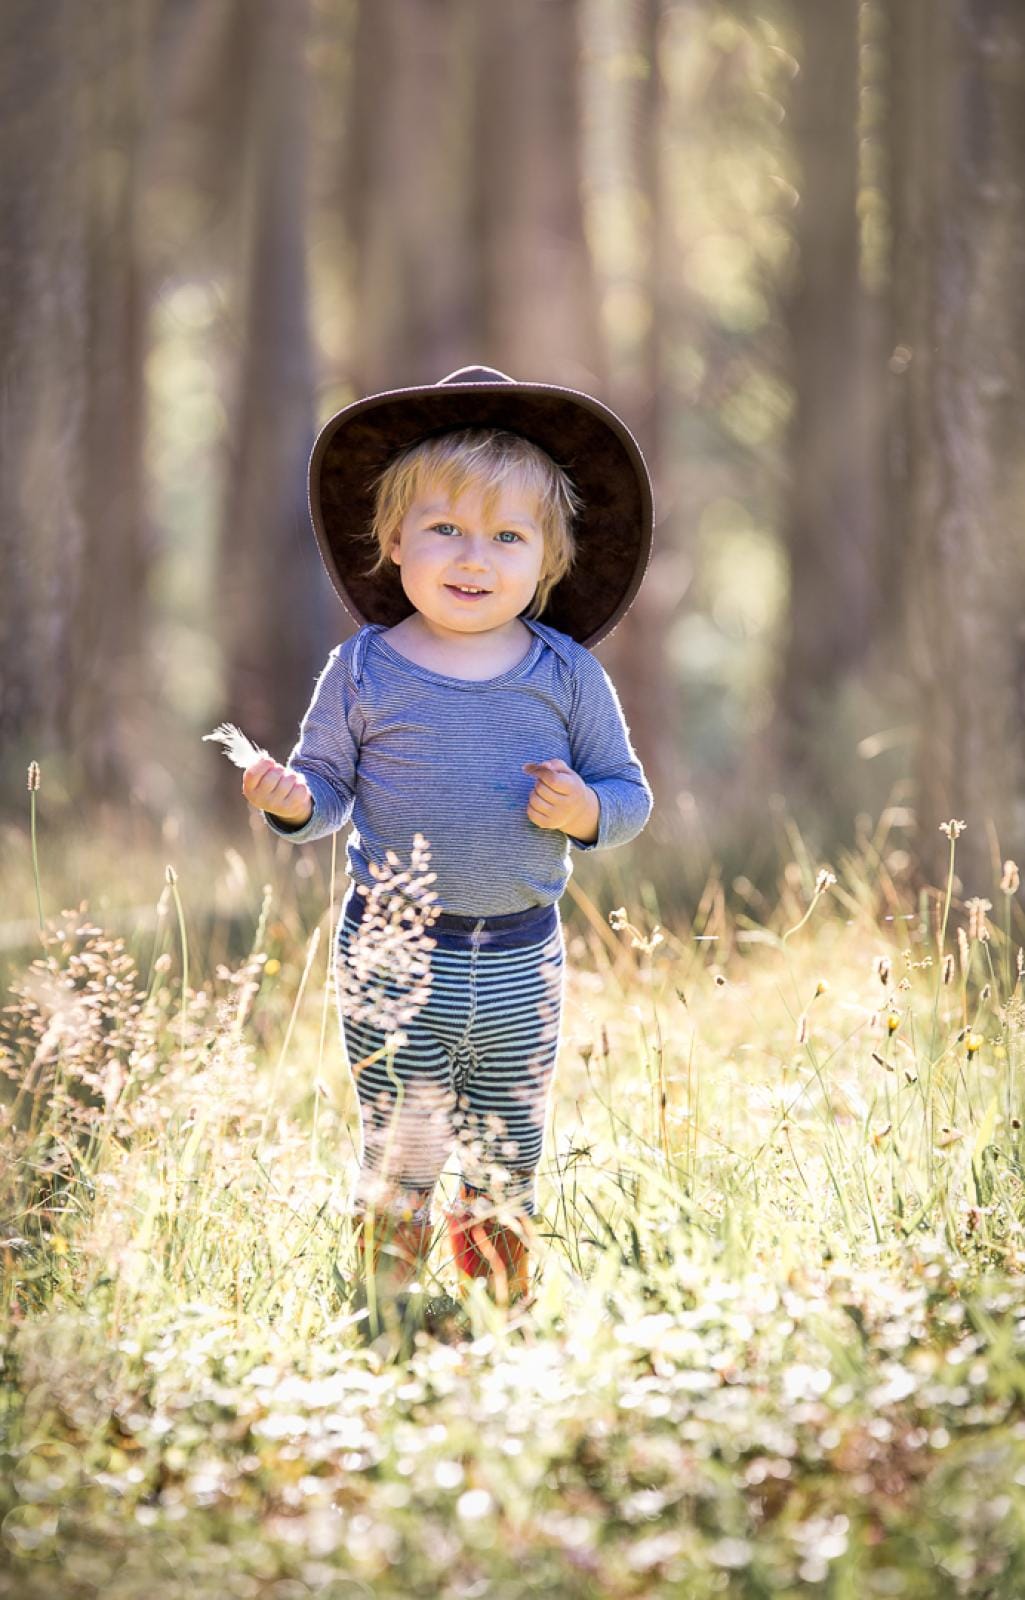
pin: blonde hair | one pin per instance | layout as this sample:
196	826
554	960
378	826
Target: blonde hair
486	458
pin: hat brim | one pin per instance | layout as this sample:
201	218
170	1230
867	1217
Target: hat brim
612	533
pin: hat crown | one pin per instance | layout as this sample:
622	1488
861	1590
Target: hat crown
475	375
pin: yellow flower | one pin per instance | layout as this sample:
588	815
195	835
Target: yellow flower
272	967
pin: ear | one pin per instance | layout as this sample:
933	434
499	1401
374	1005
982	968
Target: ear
394	552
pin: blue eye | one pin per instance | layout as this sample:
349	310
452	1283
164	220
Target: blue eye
438	526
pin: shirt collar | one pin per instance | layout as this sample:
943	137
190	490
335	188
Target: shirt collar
561	643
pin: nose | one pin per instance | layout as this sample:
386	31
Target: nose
471	553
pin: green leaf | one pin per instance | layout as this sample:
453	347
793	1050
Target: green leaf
984	1136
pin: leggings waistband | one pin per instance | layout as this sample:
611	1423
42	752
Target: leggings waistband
510	931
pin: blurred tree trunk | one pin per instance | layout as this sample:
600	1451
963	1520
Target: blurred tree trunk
42	322
959	130
71	663
271	585
832	518
106	699
535	286
407	182
197	126
639	294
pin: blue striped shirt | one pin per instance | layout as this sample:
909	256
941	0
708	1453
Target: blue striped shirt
402	750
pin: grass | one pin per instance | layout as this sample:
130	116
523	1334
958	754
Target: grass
776	1344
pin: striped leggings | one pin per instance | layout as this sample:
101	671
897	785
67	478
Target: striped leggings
452	1031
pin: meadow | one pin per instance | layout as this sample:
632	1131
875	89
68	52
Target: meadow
776	1341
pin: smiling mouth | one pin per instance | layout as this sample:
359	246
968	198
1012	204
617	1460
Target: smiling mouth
469	593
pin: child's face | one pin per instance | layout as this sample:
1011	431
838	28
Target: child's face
443	543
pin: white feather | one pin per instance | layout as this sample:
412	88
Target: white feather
237	746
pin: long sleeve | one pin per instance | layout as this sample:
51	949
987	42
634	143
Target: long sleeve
604	758
327	754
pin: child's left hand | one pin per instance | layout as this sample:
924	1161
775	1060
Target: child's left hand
561	799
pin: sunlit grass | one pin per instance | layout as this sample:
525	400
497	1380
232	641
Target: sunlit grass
775	1341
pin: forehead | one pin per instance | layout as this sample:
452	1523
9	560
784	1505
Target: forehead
514	498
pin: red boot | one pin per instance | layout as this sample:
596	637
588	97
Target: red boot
487	1248
401	1242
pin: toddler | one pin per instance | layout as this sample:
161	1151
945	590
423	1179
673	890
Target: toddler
460	731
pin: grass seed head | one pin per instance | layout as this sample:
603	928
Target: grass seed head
1011	878
977	908
964	953
384	975
33	776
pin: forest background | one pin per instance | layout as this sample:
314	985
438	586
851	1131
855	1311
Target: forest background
776	1342
785	240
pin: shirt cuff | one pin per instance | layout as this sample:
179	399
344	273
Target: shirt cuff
288	830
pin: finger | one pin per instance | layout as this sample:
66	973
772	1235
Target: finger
552	791
261	768
561	781
552	765
257	789
255	774
287	786
276	788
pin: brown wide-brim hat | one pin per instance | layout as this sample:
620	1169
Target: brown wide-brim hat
597	449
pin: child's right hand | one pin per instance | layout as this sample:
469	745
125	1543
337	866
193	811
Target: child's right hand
271	787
